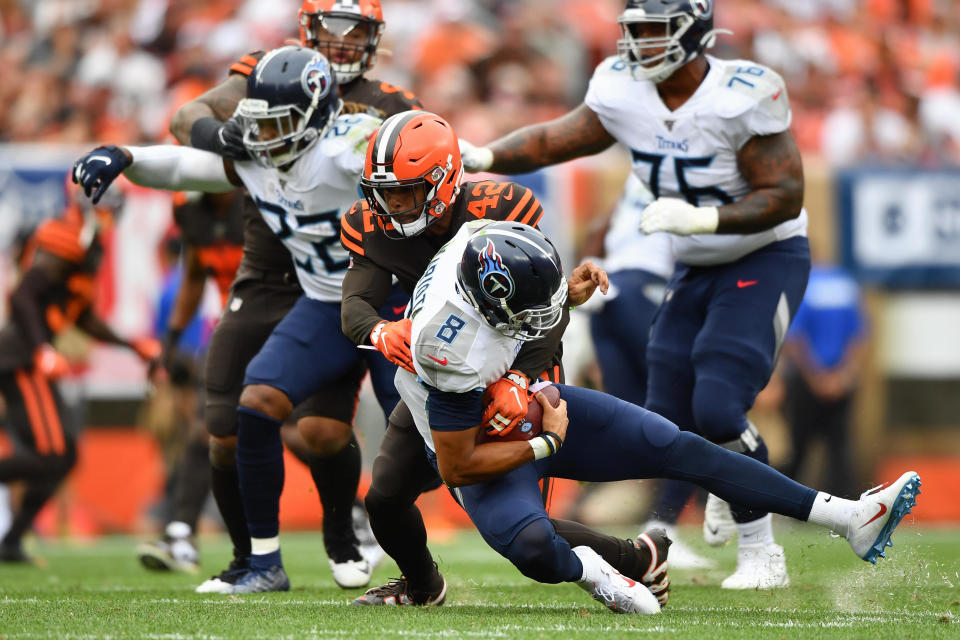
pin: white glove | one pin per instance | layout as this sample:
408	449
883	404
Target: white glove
475	159
678	216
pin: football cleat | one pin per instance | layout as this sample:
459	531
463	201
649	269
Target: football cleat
878	513
261	580
759	566
655	544
350	569
169	554
682	556
718	525
397	592
370	549
608	586
224	581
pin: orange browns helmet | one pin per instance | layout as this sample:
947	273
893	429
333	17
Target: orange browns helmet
413	159
331	27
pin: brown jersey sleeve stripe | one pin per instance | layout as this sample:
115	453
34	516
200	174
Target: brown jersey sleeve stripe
241	68
536	220
50	414
349	245
345	226
533	212
520	205
32	405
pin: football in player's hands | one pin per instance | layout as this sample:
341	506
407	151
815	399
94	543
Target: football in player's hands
532	423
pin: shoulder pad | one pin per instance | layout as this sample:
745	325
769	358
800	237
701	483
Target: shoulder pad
62	239
244	66
747	86
355	225
510	201
612	66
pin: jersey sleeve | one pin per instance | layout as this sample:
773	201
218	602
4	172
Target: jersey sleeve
753	101
449	411
366	288
348	139
244	66
62	239
488	200
353	227
442	348
609	74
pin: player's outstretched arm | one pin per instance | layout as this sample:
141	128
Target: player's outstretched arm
575	134
167	167
204	122
773	168
463	462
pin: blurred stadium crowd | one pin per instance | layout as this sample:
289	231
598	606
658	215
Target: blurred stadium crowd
875	80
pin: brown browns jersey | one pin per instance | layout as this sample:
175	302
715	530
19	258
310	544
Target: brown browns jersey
262	250
213	225
375	258
54	303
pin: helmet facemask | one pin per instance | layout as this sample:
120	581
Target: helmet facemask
421	192
656	57
349	42
292	133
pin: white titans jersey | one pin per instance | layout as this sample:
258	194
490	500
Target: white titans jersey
625	247
303	205
691	153
453	348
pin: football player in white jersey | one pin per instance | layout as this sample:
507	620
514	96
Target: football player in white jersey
306	163
710	138
497	285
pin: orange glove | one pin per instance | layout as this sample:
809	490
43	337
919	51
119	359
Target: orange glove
506	401
392	339
148	349
49	362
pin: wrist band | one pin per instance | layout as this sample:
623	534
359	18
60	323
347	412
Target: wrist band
553	440
541	448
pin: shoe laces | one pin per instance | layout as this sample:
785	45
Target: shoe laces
393	587
234	569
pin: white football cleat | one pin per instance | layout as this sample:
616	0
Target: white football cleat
878	513
617	592
718	525
682	556
759	566
351	574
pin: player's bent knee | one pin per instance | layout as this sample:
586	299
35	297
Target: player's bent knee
223	452
718	412
267	400
324	436
535	552
221	416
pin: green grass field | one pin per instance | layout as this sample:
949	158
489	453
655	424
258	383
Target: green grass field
99	591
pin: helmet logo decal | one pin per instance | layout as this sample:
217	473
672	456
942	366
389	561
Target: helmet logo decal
495	280
701	8
316	77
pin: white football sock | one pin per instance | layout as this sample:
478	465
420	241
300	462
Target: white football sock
263	546
832	512
756	531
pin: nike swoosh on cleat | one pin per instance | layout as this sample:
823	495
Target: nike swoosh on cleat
883	510
741	284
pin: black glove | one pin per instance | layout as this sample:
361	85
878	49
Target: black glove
98	169
222	138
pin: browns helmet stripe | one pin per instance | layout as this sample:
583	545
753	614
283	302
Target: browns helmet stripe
386	143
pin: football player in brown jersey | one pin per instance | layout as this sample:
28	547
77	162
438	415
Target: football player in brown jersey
56	291
414	203
266	288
